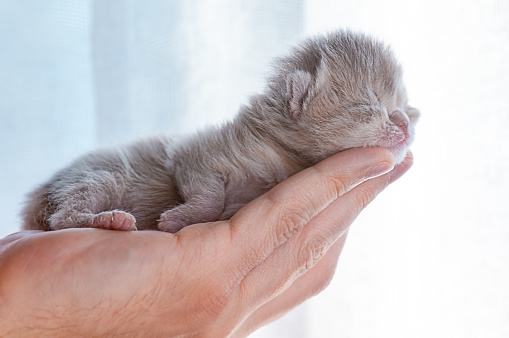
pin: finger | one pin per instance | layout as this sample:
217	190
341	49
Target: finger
270	220
302	252
400	169
306	286
311	282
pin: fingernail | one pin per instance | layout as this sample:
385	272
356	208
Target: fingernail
378	170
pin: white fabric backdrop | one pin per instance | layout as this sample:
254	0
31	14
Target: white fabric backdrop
430	257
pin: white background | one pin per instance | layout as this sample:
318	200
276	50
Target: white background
428	258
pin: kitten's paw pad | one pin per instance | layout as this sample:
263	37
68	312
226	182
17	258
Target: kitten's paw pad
171	221
114	220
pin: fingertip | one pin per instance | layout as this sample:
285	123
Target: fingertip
360	161
401	168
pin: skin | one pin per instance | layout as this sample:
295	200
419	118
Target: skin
216	279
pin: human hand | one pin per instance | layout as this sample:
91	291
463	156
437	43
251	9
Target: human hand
213	279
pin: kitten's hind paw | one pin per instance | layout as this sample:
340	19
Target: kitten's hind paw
114	220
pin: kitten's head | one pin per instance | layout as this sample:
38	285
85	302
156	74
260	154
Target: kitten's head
342	91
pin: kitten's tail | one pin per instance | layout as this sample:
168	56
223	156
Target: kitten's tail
37	210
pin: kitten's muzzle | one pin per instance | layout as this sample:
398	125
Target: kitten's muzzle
401	120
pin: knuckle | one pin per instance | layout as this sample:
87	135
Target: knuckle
291	222
363	197
291	214
336	186
213	302
312	250
294	210
339	187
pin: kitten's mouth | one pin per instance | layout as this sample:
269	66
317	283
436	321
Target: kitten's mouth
400	144
397	140
399	135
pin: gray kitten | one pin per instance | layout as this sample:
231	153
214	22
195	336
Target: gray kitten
332	93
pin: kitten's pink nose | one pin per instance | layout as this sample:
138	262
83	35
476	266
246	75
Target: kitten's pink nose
400	119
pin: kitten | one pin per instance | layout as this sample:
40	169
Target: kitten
332	93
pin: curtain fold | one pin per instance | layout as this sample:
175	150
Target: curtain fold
427	259
82	74
174	66
46	95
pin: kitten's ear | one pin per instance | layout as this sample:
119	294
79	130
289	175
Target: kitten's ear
297	86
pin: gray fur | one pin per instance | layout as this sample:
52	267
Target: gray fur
332	93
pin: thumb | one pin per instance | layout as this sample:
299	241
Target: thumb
272	219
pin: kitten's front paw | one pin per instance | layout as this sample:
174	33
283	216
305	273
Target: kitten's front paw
172	221
114	220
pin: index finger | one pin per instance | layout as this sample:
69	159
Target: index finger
270	220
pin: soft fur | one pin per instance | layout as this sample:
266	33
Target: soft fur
332	93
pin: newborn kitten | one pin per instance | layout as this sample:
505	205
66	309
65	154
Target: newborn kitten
332	93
